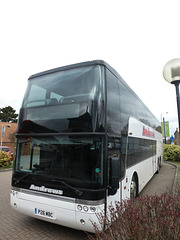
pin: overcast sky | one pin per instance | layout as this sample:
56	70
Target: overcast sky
137	38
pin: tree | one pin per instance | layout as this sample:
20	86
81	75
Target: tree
7	114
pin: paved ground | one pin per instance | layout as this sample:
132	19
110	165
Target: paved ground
161	182
14	225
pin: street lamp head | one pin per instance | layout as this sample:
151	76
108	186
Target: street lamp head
171	71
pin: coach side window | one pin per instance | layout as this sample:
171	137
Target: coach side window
113	109
115	153
127	106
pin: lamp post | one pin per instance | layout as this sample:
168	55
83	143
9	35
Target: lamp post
162	116
171	74
3	131
164	127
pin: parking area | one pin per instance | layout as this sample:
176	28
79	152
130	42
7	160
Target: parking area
162	182
14	225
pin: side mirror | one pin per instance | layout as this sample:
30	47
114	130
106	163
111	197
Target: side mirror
114	172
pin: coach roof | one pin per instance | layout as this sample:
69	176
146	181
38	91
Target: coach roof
77	65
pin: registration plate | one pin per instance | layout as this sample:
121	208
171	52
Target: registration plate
44	213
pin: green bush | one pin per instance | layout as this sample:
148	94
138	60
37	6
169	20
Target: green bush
171	152
5	159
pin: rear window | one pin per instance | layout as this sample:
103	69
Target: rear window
4	149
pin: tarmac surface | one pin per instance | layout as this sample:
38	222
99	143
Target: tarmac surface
14	225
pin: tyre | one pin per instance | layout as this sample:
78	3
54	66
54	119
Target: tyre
133	190
158	167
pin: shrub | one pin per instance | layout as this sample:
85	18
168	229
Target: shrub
5	159
171	152
149	217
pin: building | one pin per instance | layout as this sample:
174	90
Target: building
177	137
9	138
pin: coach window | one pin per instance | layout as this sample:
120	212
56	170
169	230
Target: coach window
127	106
115	152
113	109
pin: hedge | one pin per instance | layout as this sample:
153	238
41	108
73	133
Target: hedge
5	159
171	152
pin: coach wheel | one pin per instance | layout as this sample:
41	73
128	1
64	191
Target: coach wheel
160	163
158	167
133	190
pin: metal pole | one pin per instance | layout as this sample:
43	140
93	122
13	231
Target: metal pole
164	130
1	135
178	103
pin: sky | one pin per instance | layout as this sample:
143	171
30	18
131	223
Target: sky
137	38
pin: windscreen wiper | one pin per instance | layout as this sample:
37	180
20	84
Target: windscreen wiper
54	180
23	177
38	167
69	186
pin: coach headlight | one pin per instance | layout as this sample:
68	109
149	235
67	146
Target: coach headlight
79	207
85	208
93	209
15	194
82	221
